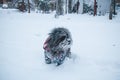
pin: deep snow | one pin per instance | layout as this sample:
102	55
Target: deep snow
95	49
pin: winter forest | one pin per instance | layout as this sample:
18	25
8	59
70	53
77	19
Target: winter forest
62	7
59	39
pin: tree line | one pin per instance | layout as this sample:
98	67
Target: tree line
60	6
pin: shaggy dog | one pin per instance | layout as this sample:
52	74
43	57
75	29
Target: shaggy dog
57	46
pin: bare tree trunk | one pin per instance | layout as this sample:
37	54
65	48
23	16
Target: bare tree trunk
114	3
110	13
111	10
95	7
28	6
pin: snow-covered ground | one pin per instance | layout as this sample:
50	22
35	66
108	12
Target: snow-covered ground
95	49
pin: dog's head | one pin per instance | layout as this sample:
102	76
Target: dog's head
59	39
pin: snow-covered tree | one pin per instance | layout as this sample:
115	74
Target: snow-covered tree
69	6
59	7
112	9
88	6
103	6
100	6
5	4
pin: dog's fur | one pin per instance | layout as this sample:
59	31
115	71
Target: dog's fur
57	46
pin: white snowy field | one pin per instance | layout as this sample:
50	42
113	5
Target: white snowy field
95	48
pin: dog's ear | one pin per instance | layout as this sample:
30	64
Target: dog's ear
59	40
